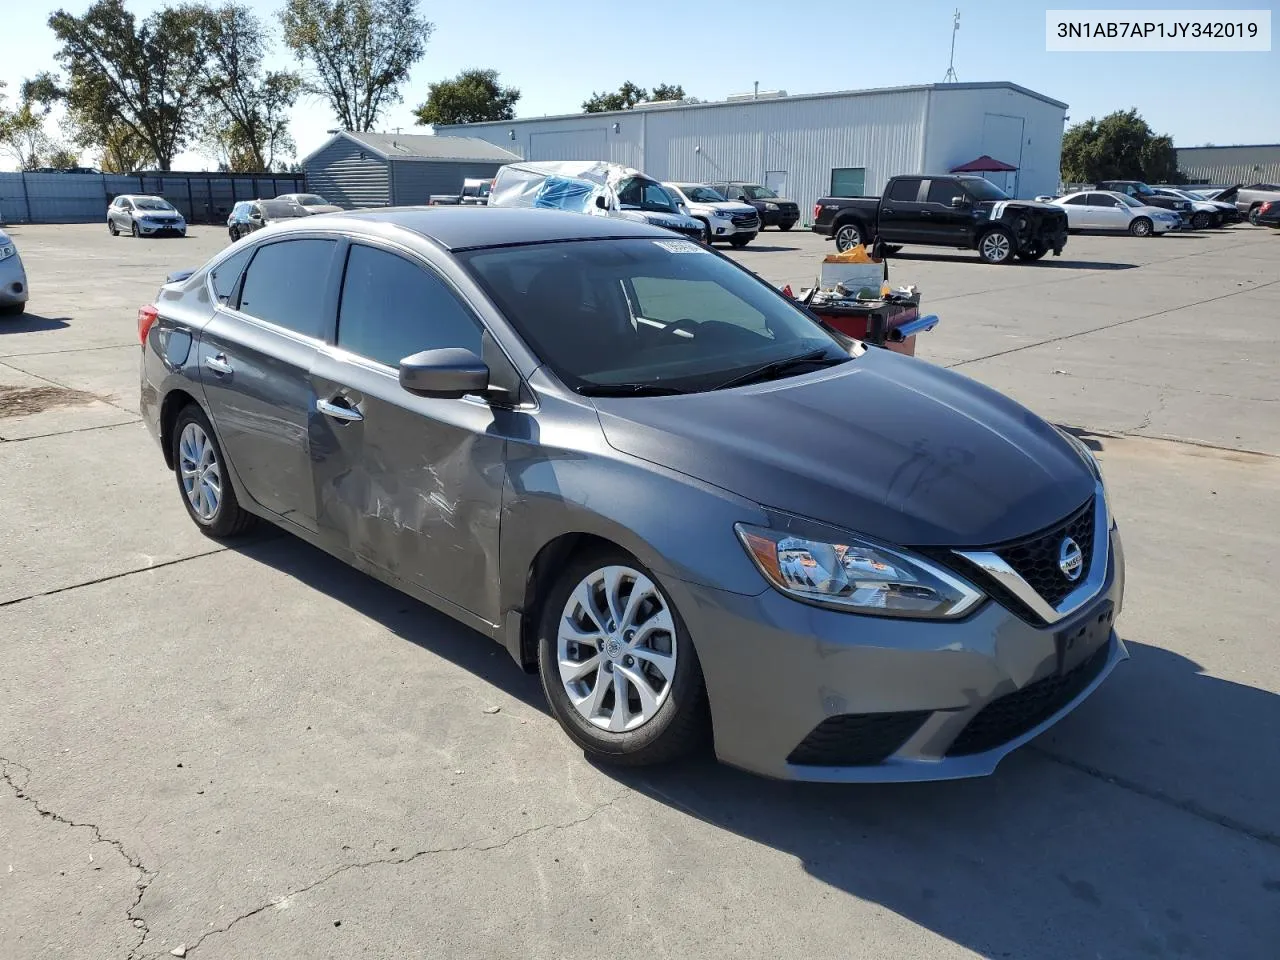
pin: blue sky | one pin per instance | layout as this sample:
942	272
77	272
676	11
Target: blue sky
557	55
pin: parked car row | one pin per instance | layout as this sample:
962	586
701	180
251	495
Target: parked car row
250	215
1110	210
1248	201
475	193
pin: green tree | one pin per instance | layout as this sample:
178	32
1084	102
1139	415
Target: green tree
23	138
628	95
470	97
145	76
246	116
1120	146
61	157
358	52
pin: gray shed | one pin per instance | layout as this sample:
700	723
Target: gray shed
394	169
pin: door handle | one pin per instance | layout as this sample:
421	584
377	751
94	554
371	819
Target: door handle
926	213
218	364
339	411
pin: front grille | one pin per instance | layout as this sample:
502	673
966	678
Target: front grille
856	739
746	220
1035	558
1015	713
693	232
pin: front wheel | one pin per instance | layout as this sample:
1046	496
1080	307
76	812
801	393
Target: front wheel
1140	227
133	228
784	227
849	236
996	246
1031	254
112	228
1201	221
739	242
202	477
618	668
706	232
13	309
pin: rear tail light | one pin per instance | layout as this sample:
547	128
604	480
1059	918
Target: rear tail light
1265	207
147	316
817	209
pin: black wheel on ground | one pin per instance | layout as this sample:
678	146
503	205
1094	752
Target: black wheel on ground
848	236
739	242
13	309
621	677
706	232
1031	253
1253	213
203	480
784	227
112	228
1140	227
233	233
1201	221
133	228
996	246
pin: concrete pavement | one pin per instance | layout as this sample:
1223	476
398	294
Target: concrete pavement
266	754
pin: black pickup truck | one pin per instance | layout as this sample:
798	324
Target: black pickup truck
968	213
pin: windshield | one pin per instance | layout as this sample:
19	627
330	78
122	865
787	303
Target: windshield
1142	190
310	200
278	209
984	190
638	193
700	194
645	313
151	203
757	192
1127	200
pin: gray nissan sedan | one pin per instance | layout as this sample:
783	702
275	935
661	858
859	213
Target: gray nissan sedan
671	491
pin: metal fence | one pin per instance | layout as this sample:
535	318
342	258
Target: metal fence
83	197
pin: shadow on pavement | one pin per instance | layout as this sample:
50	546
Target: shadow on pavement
1051	857
758	248
31	323
1050	262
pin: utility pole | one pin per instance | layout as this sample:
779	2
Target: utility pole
950	76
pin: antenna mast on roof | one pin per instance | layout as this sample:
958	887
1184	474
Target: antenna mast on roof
950	76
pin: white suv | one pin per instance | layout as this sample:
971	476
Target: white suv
721	219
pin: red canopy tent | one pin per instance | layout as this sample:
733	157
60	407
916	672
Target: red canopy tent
984	164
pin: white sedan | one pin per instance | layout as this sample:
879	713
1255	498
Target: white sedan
1108	210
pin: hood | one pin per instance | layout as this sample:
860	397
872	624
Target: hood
658	218
731	208
888	446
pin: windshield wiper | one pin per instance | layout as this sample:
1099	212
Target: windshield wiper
776	368
628	390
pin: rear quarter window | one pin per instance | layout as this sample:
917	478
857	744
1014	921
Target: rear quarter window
223	277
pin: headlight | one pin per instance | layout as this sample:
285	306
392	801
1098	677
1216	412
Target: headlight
771	206
7	251
857	575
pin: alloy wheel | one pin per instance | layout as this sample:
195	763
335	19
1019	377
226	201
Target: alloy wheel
616	649
996	247
848	237
201	473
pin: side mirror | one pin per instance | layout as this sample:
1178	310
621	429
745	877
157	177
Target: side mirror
447	373
602	203
960	201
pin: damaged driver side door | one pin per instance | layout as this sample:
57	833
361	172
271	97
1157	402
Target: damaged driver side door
409	484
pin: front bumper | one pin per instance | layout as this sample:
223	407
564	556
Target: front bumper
1164	226
723	228
777	669
158	229
777	218
13	281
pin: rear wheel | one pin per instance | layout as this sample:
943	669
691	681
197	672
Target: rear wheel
616	663
996	246
1253	213
1141	227
202	477
1201	221
848	236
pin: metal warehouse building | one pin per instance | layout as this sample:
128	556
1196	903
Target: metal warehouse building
812	145
384	169
1227	165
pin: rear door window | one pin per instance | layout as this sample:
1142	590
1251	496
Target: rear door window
393	308
286	283
905	189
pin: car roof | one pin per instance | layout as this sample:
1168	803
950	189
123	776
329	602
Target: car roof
464	228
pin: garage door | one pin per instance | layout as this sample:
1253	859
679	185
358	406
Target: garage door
569	145
1002	139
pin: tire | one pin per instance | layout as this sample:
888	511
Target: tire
1253	213
848	235
676	721
112	228
739	242
1031	254
193	442
133	228
1140	227
784	227
996	246
706	232
1201	221
13	309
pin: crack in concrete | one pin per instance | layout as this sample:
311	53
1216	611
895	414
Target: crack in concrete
400	861
113	576
63	433
1261	834
145	876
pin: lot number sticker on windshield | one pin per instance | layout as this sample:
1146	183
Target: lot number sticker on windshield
679	246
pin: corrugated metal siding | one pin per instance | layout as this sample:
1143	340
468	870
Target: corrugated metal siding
414	181
83	197
1246	165
339	175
